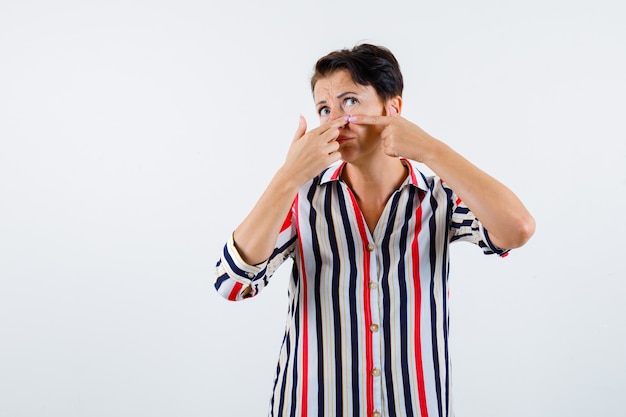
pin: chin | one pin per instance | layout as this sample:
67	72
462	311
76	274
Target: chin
349	155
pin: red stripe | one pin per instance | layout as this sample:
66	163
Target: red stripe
286	223
369	357
305	327
233	293
415	254
337	171
411	171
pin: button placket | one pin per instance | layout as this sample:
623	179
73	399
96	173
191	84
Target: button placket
373	326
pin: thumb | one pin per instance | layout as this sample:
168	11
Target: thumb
301	129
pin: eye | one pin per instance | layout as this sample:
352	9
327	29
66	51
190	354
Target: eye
324	111
350	101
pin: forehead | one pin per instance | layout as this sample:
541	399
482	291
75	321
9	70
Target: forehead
337	82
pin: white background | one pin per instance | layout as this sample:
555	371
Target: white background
135	135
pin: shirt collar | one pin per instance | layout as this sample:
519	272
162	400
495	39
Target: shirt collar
415	177
332	173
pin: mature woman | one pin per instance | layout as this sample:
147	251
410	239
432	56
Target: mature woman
367	330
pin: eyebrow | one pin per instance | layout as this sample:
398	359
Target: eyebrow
339	96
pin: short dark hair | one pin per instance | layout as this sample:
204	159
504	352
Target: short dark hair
368	65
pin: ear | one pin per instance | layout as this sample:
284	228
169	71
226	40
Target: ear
393	106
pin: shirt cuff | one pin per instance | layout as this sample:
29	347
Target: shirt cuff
492	248
237	268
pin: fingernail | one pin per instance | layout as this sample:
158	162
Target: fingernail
351	119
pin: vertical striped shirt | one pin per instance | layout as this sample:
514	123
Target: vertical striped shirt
367	328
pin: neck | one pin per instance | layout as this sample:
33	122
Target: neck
375	180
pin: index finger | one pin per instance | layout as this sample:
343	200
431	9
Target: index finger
333	124
370	120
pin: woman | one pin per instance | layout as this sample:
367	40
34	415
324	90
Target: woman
367	333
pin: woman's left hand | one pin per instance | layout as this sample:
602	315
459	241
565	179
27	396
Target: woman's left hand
400	136
501	212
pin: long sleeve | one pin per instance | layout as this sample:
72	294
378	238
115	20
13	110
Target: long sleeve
235	276
464	226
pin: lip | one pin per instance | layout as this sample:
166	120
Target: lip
342	139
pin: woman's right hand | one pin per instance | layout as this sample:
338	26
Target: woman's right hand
310	153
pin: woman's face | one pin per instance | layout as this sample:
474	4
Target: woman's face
337	96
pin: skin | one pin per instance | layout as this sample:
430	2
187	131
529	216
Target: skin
369	134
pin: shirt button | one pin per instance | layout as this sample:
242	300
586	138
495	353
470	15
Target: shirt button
250	275
373	285
375	372
374	327
370	247
376	414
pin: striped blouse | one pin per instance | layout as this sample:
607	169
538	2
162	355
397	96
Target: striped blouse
367	328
